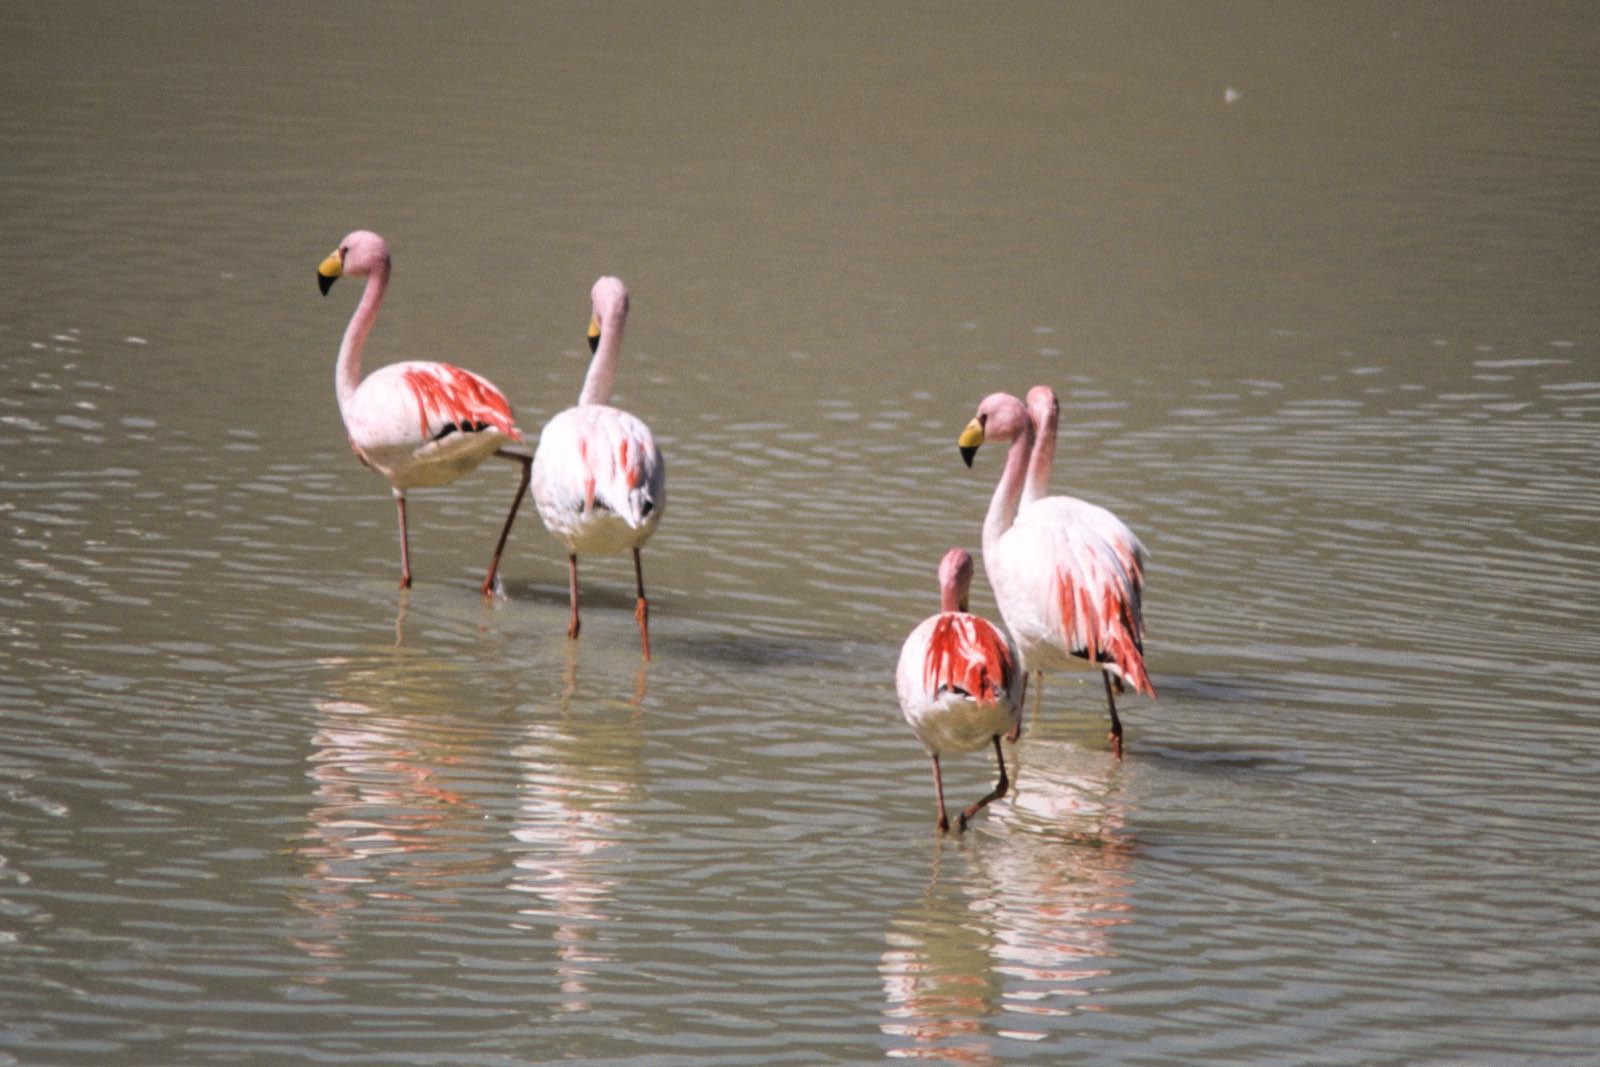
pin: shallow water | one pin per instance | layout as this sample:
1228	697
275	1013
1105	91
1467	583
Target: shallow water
1327	343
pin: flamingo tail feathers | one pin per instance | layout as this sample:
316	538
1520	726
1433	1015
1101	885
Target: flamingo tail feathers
1108	633
958	659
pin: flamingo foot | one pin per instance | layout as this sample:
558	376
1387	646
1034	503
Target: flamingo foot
641	614
981	803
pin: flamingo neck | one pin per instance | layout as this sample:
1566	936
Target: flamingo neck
950	599
1040	460
347	372
1008	491
602	374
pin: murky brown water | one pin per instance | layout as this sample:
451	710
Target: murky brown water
1316	285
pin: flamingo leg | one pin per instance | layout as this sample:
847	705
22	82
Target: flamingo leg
405	548
1116	723
505	531
938	794
572	588
999	789
1022	710
641	609
1038	692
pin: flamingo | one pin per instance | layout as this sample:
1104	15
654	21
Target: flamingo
1067	575
416	423
599	480
958	682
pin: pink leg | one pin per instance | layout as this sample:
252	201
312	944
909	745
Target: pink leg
641	609
938	793
999	789
572	588
1116	723
505	531
405	548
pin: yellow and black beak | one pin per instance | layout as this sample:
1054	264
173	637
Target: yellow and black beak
329	271
594	334
969	441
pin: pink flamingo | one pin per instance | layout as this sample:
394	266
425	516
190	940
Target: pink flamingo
599	480
416	423
1067	575
958	682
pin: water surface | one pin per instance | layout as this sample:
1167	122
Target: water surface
1316	287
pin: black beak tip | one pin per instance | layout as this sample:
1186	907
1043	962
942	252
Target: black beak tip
324	282
967	452
594	343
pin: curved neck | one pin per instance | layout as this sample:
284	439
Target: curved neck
347	372
1043	456
1008	491
603	367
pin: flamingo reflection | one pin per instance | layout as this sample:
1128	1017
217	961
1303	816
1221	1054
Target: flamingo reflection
387	822
580	778
937	981
1060	896
1017	925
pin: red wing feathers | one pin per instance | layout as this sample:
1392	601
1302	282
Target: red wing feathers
967	654
457	396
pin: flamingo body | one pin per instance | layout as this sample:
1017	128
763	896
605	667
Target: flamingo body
599	479
419	424
425	424
1068	579
958	681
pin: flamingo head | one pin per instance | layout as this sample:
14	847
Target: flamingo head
1000	417
359	254
1043	405
955	579
609	300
